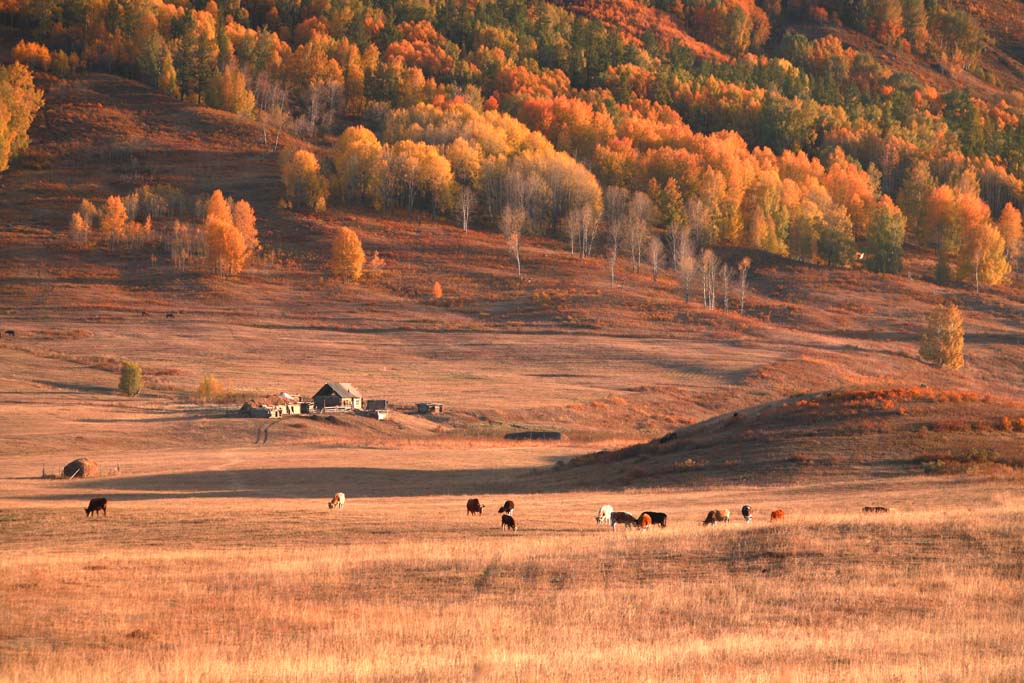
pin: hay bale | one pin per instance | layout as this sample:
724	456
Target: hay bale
81	468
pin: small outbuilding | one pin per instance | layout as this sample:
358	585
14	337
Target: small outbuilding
337	397
429	408
81	468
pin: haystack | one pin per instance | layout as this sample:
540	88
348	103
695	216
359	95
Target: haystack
81	468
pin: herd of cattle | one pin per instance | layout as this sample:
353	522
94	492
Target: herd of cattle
605	515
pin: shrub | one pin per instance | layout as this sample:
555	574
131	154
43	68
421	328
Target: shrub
35	55
113	219
304	187
886	233
347	255
943	341
131	378
20	100
209	389
230	234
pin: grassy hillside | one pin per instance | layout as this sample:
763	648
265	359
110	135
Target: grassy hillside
824	437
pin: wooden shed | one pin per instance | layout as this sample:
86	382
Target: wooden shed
337	396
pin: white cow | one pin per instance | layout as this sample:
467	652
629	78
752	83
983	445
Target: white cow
604	515
337	502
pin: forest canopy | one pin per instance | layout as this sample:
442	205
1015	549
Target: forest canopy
725	115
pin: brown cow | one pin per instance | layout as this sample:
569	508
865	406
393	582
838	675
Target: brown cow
645	521
95	505
716	516
623	518
507	508
473	507
778	515
508	523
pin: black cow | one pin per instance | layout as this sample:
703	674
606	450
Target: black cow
473	507
747	513
659	518
624	518
9	333
508	523
169	315
508	507
875	508
95	505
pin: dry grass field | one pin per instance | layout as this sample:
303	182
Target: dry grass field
219	560
191	586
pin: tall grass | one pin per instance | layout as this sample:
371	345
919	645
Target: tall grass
381	593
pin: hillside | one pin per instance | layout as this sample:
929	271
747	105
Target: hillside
821	437
560	350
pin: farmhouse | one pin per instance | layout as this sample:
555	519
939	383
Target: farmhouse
337	397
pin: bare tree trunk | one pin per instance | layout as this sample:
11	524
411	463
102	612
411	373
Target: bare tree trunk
744	269
726	276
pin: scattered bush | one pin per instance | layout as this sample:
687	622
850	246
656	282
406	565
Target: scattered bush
34	55
210	389
943	341
304	188
131	378
347	255
20	100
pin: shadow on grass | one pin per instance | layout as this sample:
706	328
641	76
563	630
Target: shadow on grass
311	482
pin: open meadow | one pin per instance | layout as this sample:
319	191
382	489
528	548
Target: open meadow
185	583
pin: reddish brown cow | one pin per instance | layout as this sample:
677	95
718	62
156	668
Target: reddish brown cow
473	507
778	515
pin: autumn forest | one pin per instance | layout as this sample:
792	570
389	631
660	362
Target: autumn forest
646	131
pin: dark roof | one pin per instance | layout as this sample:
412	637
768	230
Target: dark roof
343	389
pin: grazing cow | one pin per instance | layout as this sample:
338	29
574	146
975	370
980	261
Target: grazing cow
337	502
168	315
473	507
508	507
604	515
778	515
623	518
508	523
748	514
9	333
95	505
716	516
645	521
875	508
659	518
